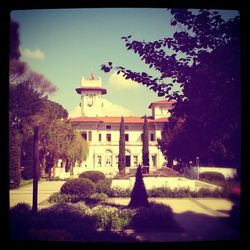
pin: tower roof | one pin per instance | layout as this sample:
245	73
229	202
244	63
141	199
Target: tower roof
82	89
163	102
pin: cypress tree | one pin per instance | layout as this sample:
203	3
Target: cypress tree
145	144
121	160
139	196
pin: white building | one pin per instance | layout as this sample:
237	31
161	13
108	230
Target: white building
102	133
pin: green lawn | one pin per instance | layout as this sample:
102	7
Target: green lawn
25	182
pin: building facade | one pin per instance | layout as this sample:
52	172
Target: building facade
102	132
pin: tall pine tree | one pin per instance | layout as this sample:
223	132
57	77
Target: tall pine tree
145	143
139	196
121	162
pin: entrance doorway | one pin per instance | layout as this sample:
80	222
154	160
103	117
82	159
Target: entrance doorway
128	163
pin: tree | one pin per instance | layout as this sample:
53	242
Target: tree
14	40
139	196
14	158
24	103
28	96
145	144
121	156
199	67
27	152
77	151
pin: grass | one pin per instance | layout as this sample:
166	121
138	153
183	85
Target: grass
25	182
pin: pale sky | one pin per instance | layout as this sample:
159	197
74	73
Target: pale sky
65	44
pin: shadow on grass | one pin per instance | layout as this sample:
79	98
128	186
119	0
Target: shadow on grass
204	227
61	222
64	222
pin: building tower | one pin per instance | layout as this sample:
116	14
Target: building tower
91	92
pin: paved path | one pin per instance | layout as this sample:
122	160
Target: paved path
24	194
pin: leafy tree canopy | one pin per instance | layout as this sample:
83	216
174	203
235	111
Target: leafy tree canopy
199	67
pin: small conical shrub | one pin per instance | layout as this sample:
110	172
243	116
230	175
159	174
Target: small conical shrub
139	196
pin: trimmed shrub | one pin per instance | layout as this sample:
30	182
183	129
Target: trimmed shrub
80	186
120	192
104	186
57	178
21	208
213	177
96	198
139	196
111	217
205	192
27	173
59	197
50	235
157	217
94	176
124	176
20	217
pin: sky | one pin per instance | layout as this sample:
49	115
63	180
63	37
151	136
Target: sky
65	44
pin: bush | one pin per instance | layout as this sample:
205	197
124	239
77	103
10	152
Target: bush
21	208
213	177
50	235
120	176
59	197
205	192
110	217
120	192
65	217
27	173
57	178
20	217
94	176
139	195
96	198
80	186
157	217
104	186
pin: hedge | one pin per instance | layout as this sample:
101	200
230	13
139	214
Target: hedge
94	176
80	186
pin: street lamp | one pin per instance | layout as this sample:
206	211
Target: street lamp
198	166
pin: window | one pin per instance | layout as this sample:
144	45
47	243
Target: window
84	135
126	137
108	161
108	127
99	160
108	137
152	137
135	160
100	137
154	160
90	135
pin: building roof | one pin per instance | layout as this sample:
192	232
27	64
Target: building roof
130	119
160	102
79	90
